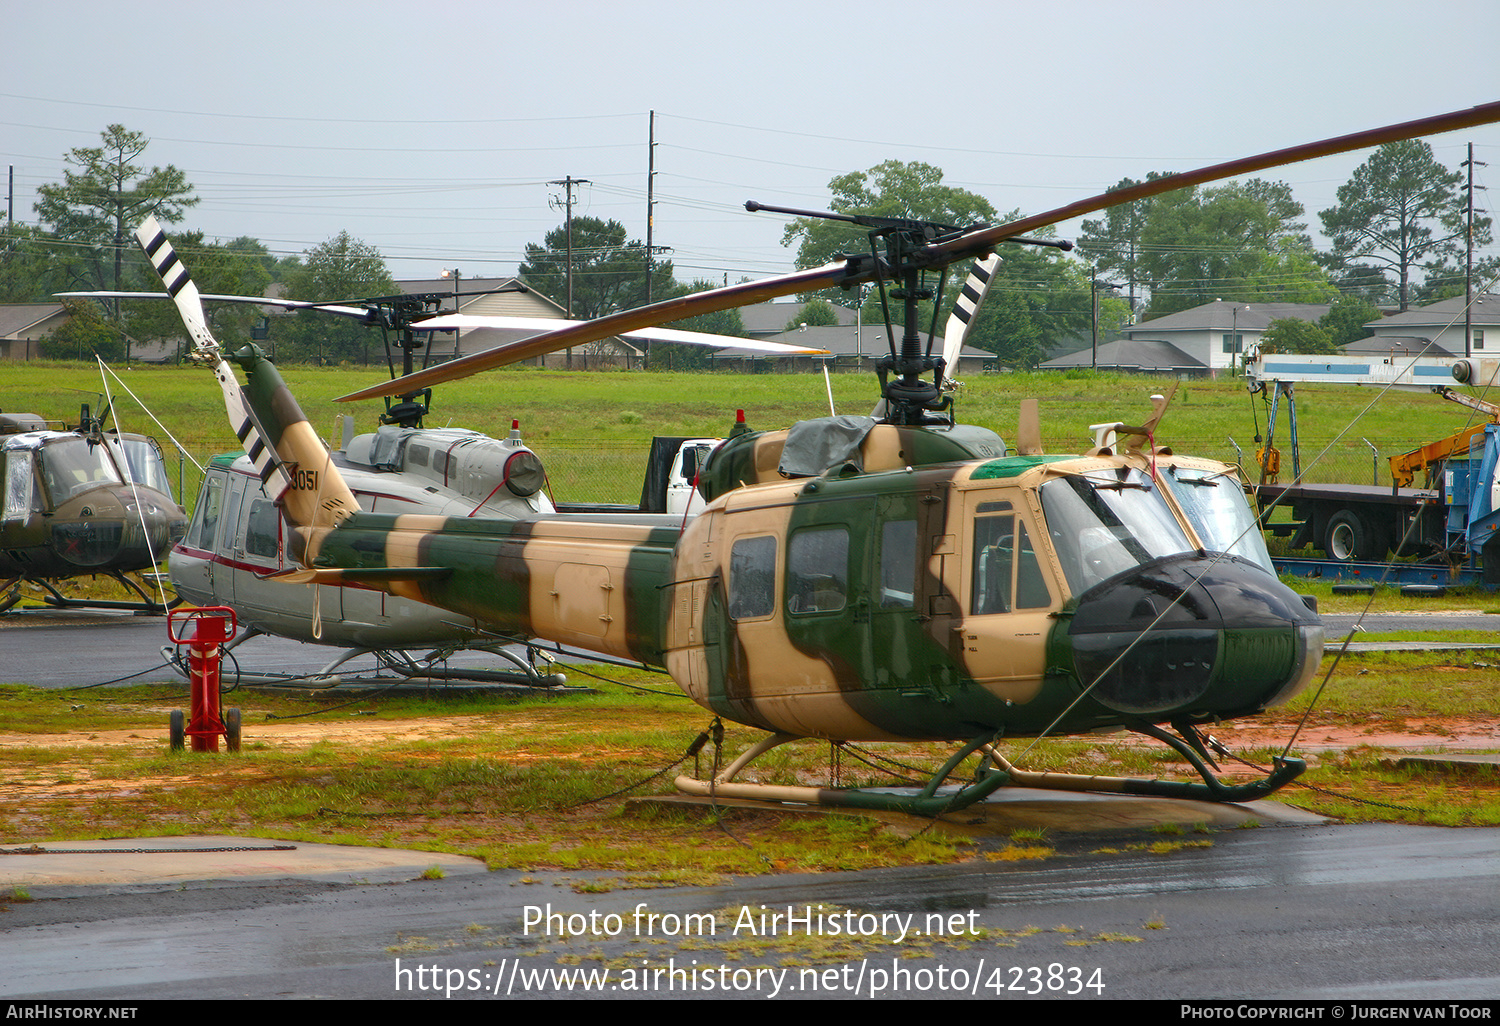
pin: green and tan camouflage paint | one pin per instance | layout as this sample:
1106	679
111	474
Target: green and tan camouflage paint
871	662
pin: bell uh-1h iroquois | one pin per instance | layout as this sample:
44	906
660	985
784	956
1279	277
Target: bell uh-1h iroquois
84	502
906	578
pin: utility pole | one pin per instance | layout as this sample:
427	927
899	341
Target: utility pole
1094	286
569	182
650	203
1469	256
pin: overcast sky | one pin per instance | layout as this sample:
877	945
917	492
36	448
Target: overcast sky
432	131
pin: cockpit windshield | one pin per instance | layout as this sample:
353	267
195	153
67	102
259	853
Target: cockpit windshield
1107	521
144	464
1215	505
73	465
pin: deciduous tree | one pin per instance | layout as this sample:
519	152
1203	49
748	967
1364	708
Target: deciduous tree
1243	240
1292	335
342	268
1345	321
893	189
609	273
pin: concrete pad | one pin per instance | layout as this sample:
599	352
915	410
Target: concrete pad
1478	763
1015	808
155	863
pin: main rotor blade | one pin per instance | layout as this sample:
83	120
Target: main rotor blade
285	304
859	270
448	322
985	238
584	332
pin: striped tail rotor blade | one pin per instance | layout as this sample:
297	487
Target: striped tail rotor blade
174	275
966	308
252	435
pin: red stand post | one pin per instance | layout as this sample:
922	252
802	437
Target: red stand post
209	628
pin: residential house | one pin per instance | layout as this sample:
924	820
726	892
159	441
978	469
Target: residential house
1131	357
1217	334
23	325
1197	342
1442	323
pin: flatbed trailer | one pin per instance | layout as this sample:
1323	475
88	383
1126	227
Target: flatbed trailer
1355	522
1415	576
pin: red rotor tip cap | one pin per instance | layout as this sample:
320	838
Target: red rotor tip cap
739	416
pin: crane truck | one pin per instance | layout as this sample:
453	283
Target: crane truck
1450	521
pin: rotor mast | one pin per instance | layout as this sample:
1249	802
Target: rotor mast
910	397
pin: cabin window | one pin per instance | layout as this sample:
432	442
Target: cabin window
19	485
898	564
1215	505
143	462
206	517
262	533
1007	573
752	578
416	455
817	570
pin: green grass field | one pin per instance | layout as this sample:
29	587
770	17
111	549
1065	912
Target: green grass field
577	419
506	791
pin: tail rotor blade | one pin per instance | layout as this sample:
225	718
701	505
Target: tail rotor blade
174	275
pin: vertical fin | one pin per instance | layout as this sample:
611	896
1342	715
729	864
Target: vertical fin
1159	404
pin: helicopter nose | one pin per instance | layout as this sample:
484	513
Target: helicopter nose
1209	635
88	542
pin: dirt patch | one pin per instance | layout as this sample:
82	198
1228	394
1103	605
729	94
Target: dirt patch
71	779
1450	734
278	734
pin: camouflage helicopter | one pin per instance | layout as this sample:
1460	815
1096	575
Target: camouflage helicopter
82	502
899	577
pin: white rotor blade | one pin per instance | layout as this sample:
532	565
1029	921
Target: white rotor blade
184	293
450	322
285	304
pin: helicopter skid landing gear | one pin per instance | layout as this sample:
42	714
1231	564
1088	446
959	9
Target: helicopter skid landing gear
146	606
393	666
925	802
994	772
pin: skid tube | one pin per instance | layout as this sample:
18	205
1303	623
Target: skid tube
399	663
994	772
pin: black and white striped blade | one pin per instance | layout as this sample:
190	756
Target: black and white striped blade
174	275
966	308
